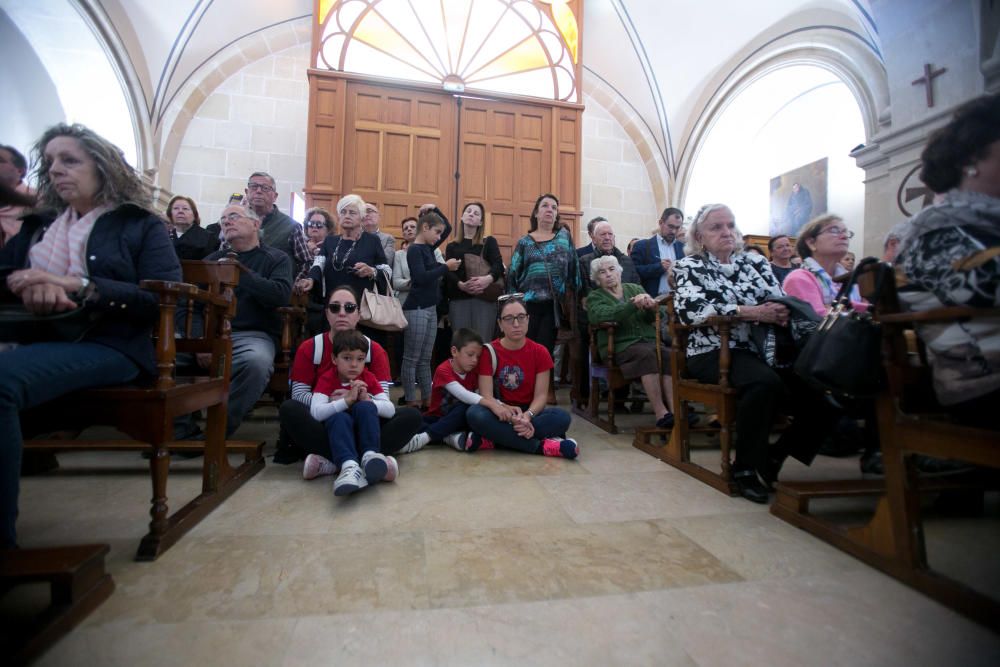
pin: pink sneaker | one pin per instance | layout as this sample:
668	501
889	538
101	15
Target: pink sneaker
476	443
393	469
317	466
567	448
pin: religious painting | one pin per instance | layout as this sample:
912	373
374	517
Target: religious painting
798	196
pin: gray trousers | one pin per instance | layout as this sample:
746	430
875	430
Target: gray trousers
475	314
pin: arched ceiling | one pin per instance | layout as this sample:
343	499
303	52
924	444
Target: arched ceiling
666	58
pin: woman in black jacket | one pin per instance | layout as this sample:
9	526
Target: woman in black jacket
466	307
101	243
191	240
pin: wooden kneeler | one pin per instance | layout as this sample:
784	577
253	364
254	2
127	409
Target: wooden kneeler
78	585
722	397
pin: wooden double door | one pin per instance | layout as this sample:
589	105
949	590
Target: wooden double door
401	147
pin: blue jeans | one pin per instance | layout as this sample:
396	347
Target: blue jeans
450	422
418	347
35	374
253	363
353	432
549	423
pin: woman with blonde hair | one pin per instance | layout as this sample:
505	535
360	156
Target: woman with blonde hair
466	306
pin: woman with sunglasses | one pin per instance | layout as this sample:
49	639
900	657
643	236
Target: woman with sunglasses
319	224
300	433
518	371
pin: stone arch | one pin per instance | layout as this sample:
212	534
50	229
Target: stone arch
852	61
631	121
209	76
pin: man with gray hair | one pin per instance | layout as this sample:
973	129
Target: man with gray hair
276	229
265	285
892	240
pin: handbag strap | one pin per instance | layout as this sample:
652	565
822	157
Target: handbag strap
844	294
548	274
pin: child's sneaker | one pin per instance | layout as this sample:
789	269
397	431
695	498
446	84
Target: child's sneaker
475	442
350	479
376	467
415	444
456	440
317	466
567	448
392	469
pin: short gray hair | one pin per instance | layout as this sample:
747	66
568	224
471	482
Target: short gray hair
602	262
274	184
247	211
351	200
694	245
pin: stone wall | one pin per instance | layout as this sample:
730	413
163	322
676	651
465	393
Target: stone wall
256	120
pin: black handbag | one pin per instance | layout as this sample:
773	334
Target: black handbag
19	325
843	356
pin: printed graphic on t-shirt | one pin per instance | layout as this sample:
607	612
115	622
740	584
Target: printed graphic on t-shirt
511	377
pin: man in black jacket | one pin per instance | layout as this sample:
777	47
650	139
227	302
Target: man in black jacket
265	285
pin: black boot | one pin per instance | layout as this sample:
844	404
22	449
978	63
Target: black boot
750	487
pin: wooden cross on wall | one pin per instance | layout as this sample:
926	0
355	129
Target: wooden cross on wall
927	80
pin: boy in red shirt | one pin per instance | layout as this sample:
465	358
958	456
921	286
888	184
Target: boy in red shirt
349	400
453	391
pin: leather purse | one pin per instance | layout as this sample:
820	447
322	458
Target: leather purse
843	356
382	311
475	267
19	325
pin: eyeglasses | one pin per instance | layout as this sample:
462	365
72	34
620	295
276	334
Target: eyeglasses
232	217
837	231
507	297
260	186
316	224
335	307
511	319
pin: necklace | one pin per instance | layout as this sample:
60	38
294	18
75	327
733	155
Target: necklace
339	264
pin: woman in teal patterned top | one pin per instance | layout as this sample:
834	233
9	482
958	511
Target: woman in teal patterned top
544	268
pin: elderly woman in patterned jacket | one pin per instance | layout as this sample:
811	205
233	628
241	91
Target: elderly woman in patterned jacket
717	278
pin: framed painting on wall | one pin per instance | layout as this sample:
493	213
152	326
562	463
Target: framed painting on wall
798	196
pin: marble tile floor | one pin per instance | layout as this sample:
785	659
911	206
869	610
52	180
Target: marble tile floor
492	559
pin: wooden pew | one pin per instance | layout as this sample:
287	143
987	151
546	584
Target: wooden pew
602	370
145	412
720	397
909	424
293	320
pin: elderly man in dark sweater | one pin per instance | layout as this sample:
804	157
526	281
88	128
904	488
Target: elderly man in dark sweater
277	229
265	285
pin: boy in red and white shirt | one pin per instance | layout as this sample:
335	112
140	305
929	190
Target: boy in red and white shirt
454	390
349	400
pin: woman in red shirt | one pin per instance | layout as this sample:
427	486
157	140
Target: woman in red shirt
520	376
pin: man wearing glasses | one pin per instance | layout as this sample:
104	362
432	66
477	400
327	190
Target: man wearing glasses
276	229
370	224
654	256
265	285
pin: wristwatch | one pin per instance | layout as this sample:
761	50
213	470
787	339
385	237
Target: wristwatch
529	413
84	284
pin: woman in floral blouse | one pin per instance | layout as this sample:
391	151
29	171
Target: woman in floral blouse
717	278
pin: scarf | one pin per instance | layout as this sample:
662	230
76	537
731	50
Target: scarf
62	251
958	208
826	284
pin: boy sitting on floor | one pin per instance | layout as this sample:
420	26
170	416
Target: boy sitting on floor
349	400
454	390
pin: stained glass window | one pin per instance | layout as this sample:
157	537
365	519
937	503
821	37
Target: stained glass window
508	46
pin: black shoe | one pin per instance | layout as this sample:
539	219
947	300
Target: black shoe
666	421
930	465
871	463
769	473
750	487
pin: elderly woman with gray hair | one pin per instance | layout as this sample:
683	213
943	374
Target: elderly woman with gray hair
718	278
634	312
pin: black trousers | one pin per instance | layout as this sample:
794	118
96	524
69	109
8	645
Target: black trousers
542	326
299	429
764	393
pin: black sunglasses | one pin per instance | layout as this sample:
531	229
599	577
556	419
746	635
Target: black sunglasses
348	308
315	224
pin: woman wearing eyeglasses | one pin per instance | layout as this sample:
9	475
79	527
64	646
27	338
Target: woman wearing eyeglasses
517	370
303	435
822	244
319	224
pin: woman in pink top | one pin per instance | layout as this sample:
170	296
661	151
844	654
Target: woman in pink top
822	244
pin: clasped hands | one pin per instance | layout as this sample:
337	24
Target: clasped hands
520	420
770	313
644	302
475	285
42	292
357	392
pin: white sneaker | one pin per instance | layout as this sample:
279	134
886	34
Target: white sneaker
393	472
415	444
376	467
456	440
317	466
350	479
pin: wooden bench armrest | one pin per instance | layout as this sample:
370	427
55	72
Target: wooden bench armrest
946	314
182	291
